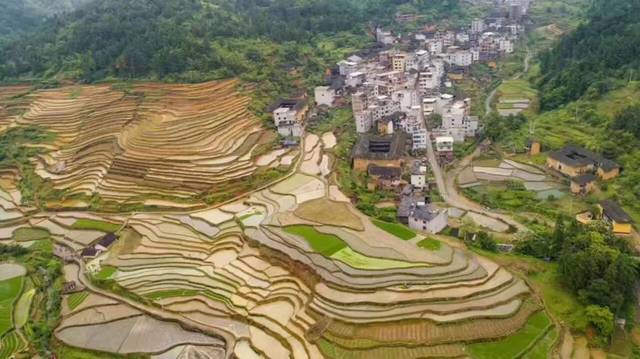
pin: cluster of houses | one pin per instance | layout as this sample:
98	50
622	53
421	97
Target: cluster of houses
584	169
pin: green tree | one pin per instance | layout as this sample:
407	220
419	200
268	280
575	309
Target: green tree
601	319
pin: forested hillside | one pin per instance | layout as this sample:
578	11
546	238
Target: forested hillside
19	16
599	55
195	39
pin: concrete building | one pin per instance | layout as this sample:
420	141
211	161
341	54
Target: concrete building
477	26
324	96
399	62
288	117
427	218
419	176
444	144
419	139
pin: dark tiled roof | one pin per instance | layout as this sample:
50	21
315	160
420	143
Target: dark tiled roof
608	165
387	172
108	240
89	252
584	179
380	147
575	156
425	213
613	210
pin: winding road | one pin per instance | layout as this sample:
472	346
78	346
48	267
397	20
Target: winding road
449	191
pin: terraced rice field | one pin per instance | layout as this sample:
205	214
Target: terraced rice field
273	275
514	346
396	229
148	142
10	290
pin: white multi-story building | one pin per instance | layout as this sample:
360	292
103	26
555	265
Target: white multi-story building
477	26
444	144
434	46
286	120
364	121
505	46
460	57
419	176
420	139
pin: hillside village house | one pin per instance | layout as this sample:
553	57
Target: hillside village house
573	161
620	221
288	116
583	184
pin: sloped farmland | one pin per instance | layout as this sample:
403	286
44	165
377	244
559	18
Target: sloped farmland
145	142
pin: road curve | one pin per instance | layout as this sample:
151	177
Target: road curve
449	191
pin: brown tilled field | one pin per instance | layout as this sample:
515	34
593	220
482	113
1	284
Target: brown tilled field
144	141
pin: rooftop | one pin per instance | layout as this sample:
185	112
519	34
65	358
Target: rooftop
384	172
613	210
373	147
425	213
584	179
575	156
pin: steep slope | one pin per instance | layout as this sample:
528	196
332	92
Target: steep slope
604	50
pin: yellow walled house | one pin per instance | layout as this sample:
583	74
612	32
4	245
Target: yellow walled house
583	184
574	161
608	170
571	161
620	221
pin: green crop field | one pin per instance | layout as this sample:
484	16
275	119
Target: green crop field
30	234
430	244
105	272
325	244
76	299
360	261
10	289
96	225
21	312
10	344
513	345
396	229
543	348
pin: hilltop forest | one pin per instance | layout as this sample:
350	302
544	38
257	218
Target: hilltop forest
595	58
197	40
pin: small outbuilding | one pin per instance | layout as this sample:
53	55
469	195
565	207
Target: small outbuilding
620	221
583	184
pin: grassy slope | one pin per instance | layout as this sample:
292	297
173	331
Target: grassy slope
572	124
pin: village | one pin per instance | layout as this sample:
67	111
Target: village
409	122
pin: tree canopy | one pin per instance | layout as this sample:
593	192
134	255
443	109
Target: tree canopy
135	38
600	52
